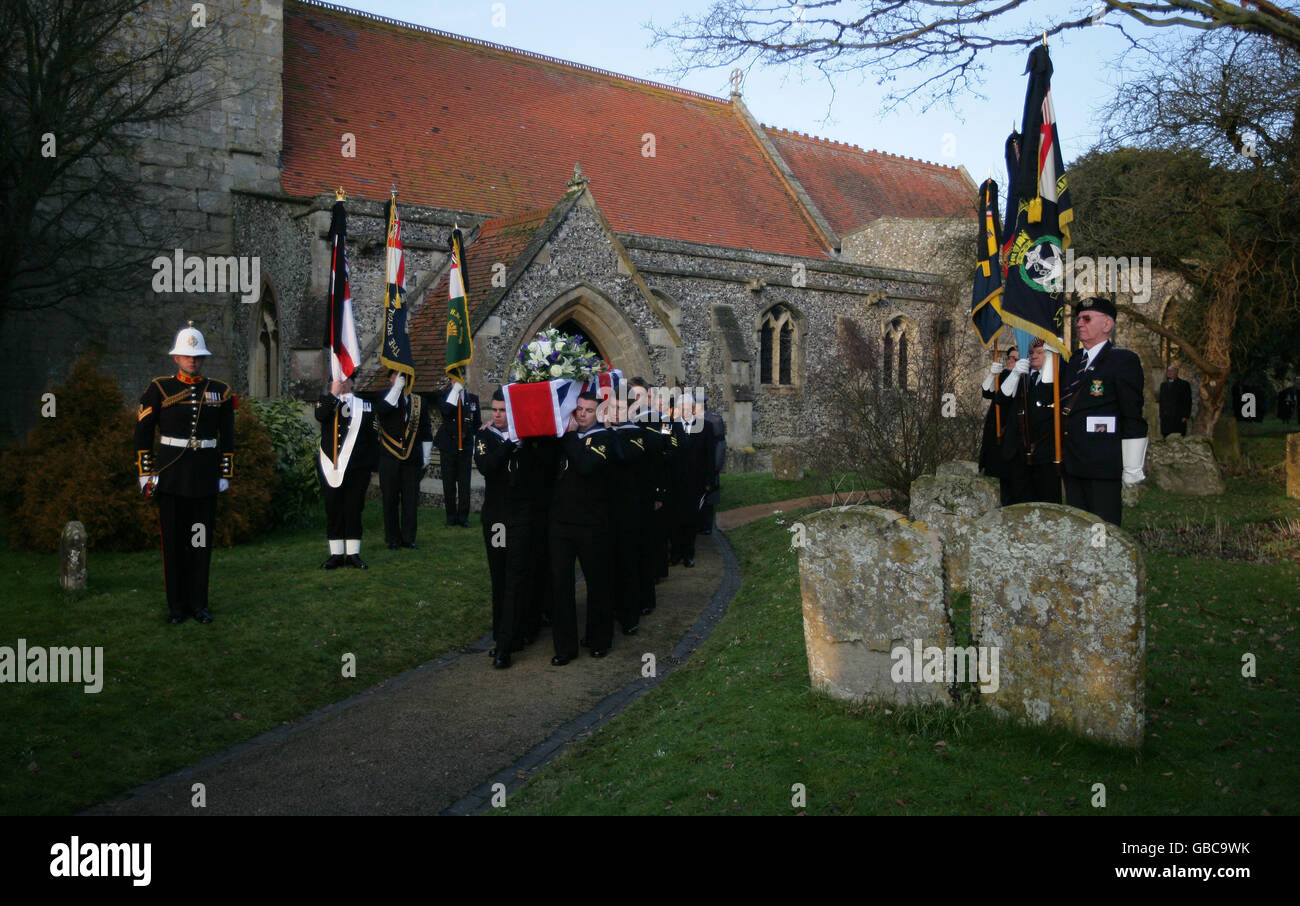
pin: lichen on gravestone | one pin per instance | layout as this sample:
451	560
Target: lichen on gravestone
72	557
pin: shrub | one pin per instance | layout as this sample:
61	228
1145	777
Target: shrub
80	465
296	496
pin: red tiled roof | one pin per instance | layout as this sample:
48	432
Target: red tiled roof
472	126
500	240
853	187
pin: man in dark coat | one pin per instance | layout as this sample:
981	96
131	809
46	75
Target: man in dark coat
692	469
1175	403
405	442
461	420
1104	432
718	459
196	459
991	460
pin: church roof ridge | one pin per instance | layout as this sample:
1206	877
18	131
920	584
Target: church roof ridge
817	139
517	51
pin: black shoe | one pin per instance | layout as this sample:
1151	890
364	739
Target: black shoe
630	630
501	661
394	546
334	562
411	546
202	616
558	661
355	561
451	522
707	531
174	619
492	653
464	523
688	562
599	652
646	611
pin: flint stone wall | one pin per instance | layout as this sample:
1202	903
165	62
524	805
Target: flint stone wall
950	502
871	581
1184	465
1062	595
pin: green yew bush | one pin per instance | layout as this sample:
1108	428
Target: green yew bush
80	465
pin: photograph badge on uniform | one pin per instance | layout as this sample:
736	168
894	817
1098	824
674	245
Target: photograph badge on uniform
1100	424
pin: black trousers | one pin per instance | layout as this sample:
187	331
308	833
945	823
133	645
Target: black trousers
1099	496
685	528
455	482
495	538
589	544
343	505
660	532
187	551
628	536
510	609
399	488
1037	483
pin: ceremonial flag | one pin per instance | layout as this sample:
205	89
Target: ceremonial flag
395	352
340	330
1032	299
988	268
460	345
540	408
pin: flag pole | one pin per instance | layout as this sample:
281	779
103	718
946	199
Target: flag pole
997	410
339	195
1056	404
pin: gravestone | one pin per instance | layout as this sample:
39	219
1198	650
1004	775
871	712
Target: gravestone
72	557
1293	466
1184	465
787	465
950	501
871	583
1062	595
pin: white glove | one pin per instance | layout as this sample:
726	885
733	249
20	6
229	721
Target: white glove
223	484
1013	380
395	391
1134	451
453	398
1049	368
995	368
426	447
990	379
146	483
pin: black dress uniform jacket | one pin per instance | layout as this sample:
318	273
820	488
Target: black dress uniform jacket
1099	407
196	420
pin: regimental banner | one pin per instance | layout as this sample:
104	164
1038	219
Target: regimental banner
1032	299
340	329
460	345
984	315
395	351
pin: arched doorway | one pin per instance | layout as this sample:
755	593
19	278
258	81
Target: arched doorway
586	311
264	354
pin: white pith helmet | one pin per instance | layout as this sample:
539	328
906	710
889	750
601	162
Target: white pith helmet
189	342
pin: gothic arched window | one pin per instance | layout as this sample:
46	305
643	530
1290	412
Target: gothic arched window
778	348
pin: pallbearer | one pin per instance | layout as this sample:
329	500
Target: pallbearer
196	459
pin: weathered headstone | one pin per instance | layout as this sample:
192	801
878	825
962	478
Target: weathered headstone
871	583
1293	466
950	501
787	465
957	468
72	556
1062	595
1184	465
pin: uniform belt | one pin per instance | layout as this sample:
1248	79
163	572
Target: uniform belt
193	443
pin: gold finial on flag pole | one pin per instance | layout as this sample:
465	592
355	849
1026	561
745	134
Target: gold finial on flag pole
340	195
1044	37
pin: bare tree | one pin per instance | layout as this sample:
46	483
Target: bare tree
894	415
81	79
1212	191
936	47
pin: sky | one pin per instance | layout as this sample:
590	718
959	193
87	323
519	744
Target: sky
612	35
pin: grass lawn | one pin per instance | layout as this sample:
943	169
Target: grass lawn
750	488
175	694
735	729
